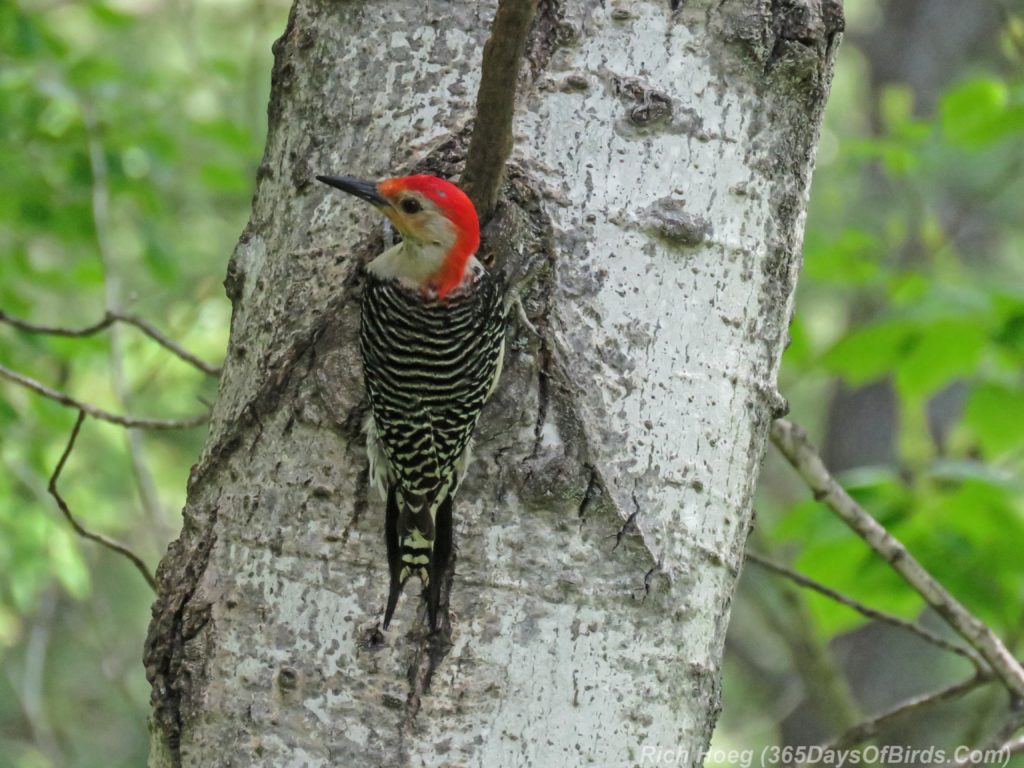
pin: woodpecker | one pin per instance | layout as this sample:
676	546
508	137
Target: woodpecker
432	339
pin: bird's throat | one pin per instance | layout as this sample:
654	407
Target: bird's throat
426	267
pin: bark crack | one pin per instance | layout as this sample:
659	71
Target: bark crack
630	525
175	623
591	494
544	362
432	648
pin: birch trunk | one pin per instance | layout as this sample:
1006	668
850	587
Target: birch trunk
662	164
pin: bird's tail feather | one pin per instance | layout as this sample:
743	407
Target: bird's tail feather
411	551
394	554
440	558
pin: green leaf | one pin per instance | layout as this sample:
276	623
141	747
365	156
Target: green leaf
962	530
10	627
850	567
798	352
870	352
942	352
68	564
230	134
906	288
994	414
896	105
1010	336
224	178
978	113
115	19
58	117
851	258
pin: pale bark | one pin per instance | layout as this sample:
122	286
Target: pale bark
662	164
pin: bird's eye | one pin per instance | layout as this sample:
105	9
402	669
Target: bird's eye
411	205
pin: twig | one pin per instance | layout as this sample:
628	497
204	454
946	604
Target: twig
108	319
865	610
1001	746
99	413
491	144
85	533
869	728
792	441
1013	746
826	689
168	344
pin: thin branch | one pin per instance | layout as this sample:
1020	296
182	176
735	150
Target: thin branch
793	443
85	533
99	413
53	330
168	344
1001	746
1013	746
870	728
826	688
491	144
108	319
925	634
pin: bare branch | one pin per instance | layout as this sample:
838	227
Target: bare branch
925	634
53	330
82	531
491	144
1013	746
793	443
105	322
168	344
870	728
99	413
1002	744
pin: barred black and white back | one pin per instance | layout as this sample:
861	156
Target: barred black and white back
429	367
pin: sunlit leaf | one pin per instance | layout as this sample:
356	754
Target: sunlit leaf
978	113
871	352
940	352
995	415
68	564
851	258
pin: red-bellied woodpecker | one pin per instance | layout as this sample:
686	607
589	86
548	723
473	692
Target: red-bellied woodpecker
432	338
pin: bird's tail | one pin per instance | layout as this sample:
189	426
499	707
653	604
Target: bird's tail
417	543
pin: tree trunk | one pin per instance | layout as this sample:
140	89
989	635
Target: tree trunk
657	189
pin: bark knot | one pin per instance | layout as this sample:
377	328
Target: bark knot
645	104
668	218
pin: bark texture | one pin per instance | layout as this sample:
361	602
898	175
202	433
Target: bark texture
662	164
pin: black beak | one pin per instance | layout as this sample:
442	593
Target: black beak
365	190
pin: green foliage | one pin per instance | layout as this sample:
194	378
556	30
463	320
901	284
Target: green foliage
913	277
981	112
912	287
130	133
994	415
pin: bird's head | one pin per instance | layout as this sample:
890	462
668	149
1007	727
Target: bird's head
438	223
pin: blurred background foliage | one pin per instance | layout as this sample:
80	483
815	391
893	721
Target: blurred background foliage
907	367
131	131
